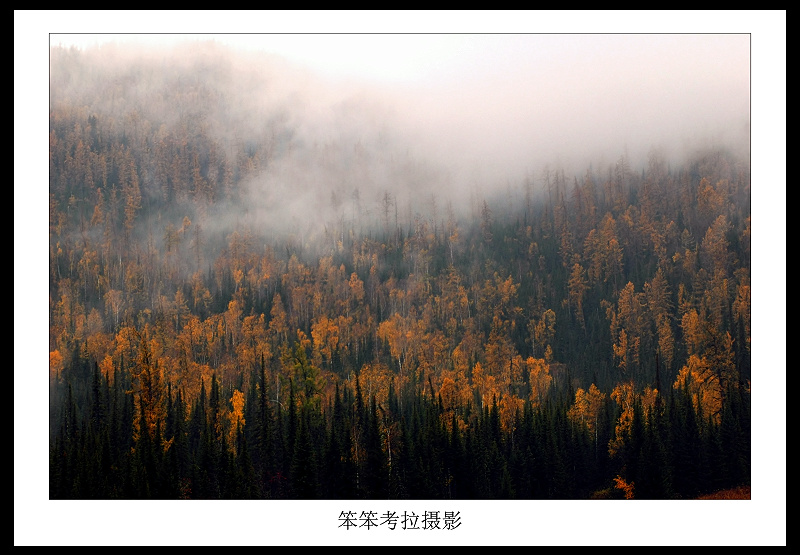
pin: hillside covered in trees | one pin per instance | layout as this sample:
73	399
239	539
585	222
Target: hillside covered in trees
242	306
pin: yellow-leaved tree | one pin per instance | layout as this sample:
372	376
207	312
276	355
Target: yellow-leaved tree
236	418
587	407
703	384
539	379
624	395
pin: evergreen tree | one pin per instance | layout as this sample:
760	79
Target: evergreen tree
303	469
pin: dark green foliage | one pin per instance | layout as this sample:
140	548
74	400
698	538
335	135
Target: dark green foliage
342	452
303	469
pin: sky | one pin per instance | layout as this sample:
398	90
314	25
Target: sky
483	112
507	104
498	90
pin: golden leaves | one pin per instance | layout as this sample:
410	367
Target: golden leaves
703	384
56	364
236	417
539	378
587	407
627	488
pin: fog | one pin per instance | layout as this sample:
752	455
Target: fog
572	99
357	131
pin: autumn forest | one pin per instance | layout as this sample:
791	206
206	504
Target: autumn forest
243	308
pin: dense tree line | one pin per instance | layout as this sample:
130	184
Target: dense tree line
573	337
226	444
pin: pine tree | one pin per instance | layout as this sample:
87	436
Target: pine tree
303	468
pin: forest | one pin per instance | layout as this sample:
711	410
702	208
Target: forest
242	309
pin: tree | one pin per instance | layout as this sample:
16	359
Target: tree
577	290
540	379
303	474
625	398
325	334
587	407
542	333
305	374
236	419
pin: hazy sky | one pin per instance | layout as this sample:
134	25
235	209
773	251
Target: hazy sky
513	99
481	111
507	104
